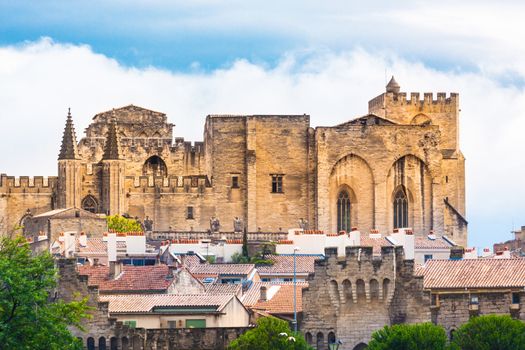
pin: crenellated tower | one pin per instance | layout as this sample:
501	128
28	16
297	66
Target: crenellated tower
112	173
69	167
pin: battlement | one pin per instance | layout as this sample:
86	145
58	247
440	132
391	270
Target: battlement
178	183
442	103
30	183
365	254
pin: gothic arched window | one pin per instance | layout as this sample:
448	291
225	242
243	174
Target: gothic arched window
90	204
343	211
400	209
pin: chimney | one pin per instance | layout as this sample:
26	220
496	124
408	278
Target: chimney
171	270
431	235
486	252
112	247
374	233
355	237
263	296
409	245
470	253
69	244
115	269
82	239
135	243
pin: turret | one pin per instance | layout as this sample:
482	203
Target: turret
113	173
69	175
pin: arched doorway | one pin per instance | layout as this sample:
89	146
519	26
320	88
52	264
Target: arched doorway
155	166
360	346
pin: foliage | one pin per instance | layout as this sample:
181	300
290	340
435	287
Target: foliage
490	332
119	223
238	258
422	336
245	243
28	320
267	336
210	259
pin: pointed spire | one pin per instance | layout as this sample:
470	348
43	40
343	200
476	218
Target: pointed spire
68	149
112	146
393	86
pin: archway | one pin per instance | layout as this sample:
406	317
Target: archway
360	346
90	204
155	166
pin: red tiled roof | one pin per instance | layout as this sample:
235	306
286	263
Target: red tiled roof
132	278
426	243
223	288
140	303
375	243
284	264
474	273
222	269
282	300
252	295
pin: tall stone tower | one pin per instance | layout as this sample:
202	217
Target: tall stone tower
69	176
113	173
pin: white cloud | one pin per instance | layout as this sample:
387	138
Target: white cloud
39	80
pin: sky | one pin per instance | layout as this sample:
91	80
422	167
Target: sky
189	59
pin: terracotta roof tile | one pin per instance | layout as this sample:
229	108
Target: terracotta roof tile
426	243
253	294
222	269
223	288
132	279
474	273
139	303
375	243
282	300
284	264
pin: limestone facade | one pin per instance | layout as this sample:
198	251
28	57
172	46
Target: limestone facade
270	171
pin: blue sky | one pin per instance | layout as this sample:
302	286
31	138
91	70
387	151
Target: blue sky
326	59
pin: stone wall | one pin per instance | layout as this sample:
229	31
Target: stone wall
452	309
351	297
408	143
116	336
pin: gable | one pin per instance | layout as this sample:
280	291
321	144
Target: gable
369	119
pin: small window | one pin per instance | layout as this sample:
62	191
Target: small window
474	300
515	298
235	182
277	183
435	300
189	213
195	323
428	257
172	324
130	324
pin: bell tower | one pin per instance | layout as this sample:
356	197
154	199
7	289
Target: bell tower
69	176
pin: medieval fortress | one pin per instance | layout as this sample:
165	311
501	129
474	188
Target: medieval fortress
398	166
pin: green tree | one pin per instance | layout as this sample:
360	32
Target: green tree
119	223
270	334
28	319
421	336
490	332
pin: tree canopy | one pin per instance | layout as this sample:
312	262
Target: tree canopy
490	332
421	336
119	223
28	318
270	334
